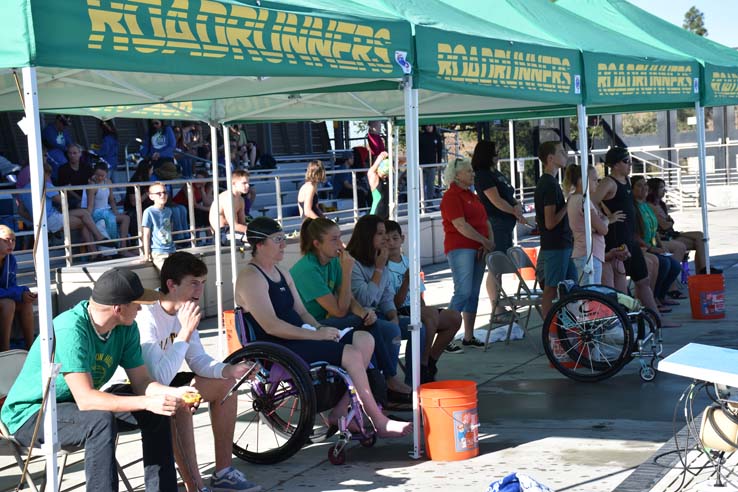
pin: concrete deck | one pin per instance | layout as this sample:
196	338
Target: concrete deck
570	436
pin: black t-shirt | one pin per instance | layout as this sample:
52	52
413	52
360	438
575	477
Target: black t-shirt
70	177
430	148
621	232
548	192
485	179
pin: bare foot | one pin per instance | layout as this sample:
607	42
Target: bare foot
393	428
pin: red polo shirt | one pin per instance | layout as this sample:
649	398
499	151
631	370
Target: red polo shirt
458	202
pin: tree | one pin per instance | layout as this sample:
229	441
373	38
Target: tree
694	21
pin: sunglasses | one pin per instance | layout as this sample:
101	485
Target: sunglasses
278	239
625	161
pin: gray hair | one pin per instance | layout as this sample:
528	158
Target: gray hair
453	168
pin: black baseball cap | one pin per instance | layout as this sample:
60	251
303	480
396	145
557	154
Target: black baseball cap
260	228
121	286
615	155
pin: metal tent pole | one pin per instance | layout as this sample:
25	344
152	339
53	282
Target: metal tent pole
584	162
700	111
231	210
413	228
216	239
511	136
49	370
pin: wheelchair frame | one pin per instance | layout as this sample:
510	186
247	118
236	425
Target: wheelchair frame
590	335
278	405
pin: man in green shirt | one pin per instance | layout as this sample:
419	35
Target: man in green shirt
92	340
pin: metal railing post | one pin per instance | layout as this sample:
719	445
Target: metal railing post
67	228
278	191
681	190
191	211
355	196
139	216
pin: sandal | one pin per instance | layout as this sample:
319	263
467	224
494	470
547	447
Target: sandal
677	294
669	302
664	309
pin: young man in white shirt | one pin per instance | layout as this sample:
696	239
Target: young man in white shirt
169	337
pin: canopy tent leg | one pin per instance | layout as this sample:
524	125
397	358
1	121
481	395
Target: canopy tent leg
231	210
700	112
394	175
216	240
413	230
511	136
584	162
41	264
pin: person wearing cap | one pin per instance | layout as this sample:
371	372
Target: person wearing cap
307	197
92	340
220	217
58	138
615	193
377	175
553	222
430	151
273	309
169	338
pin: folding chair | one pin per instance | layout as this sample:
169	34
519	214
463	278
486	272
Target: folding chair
11	363
521	260
499	264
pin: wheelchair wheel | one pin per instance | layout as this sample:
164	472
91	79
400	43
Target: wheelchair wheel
276	410
587	336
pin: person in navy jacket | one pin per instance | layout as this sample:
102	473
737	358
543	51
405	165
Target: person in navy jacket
15	300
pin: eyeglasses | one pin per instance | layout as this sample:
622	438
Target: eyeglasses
158	193
278	239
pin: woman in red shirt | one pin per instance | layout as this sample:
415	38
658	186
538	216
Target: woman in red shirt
467	239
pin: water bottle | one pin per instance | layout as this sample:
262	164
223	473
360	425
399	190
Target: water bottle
685	270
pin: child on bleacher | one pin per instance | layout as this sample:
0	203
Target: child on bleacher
14	299
156	224
101	204
441	325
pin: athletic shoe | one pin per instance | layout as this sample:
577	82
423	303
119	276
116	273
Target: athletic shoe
232	481
454	348
474	342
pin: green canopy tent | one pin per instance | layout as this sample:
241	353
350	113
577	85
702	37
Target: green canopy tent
99	52
718	65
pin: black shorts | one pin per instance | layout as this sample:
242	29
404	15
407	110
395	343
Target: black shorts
319	350
182	379
635	266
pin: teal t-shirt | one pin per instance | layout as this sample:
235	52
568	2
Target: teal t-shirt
314	280
650	224
78	349
397	274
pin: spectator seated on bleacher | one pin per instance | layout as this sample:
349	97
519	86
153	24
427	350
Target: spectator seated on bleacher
202	196
220	218
343	186
109	146
160	143
102	206
15	301
74	173
79	219
57	138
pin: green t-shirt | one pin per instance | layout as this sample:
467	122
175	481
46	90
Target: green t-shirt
78	349
314	280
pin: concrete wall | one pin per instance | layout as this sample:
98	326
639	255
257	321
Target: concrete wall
75	283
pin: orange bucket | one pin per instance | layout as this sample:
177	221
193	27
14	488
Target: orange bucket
529	273
450	419
229	323
707	296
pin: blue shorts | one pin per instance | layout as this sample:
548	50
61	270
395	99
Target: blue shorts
557	266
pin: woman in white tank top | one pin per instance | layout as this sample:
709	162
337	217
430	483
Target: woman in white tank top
101	204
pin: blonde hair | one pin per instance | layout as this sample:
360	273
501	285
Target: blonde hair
6	231
315	172
453	168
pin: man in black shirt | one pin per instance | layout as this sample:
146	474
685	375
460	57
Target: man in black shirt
430	151
74	173
556	238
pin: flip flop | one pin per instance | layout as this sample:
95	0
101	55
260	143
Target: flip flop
676	294
670	324
664	309
669	302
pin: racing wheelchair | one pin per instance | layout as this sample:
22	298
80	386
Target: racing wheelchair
282	399
593	331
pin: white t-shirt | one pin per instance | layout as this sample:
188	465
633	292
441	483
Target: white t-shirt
163	355
397	273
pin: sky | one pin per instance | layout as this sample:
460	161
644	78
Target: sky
720	16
